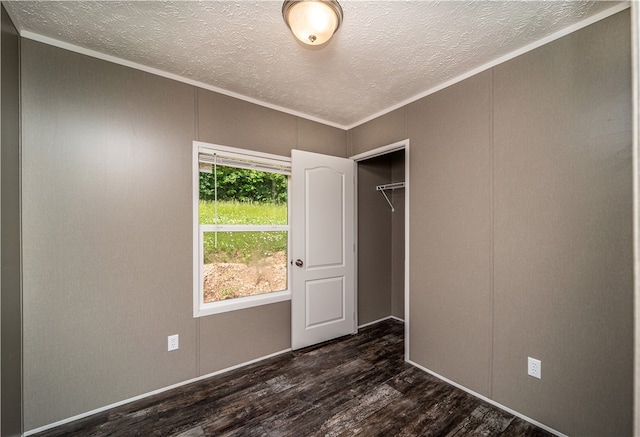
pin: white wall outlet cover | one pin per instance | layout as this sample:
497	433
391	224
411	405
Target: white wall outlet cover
172	342
534	368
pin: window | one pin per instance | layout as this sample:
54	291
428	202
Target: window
241	228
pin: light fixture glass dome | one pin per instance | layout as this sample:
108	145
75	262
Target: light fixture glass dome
312	21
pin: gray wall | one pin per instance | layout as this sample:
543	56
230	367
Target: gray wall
451	244
11	353
381	131
107	231
563	231
521	229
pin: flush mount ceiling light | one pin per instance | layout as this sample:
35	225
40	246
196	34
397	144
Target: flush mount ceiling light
312	21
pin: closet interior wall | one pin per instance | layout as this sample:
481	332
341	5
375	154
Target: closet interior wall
380	239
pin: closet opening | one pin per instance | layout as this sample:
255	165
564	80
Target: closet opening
382	249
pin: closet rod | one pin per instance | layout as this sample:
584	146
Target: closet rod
393	186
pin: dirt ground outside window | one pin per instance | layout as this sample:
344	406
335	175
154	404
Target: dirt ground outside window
231	280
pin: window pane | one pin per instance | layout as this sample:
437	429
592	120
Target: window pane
245	197
242	213
238	264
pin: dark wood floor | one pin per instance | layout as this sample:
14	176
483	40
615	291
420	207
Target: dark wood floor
357	385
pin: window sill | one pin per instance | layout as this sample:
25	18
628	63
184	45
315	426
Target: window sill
240	303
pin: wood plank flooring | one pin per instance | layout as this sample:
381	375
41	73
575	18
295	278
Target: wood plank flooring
354	386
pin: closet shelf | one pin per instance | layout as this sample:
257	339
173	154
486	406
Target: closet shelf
393	186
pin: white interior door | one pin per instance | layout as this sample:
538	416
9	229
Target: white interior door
323	250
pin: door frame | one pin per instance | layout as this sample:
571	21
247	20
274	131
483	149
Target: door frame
394	147
635	66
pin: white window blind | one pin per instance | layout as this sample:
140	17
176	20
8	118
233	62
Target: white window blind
206	162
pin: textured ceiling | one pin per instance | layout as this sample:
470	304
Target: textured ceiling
385	52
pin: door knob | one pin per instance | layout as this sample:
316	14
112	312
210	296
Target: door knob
299	262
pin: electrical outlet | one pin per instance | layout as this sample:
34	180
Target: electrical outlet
172	342
535	368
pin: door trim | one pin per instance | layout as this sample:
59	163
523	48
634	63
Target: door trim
635	65
400	145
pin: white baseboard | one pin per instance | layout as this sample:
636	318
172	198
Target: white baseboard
151	393
380	320
486	399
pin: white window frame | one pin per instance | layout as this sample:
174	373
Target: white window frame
200	308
